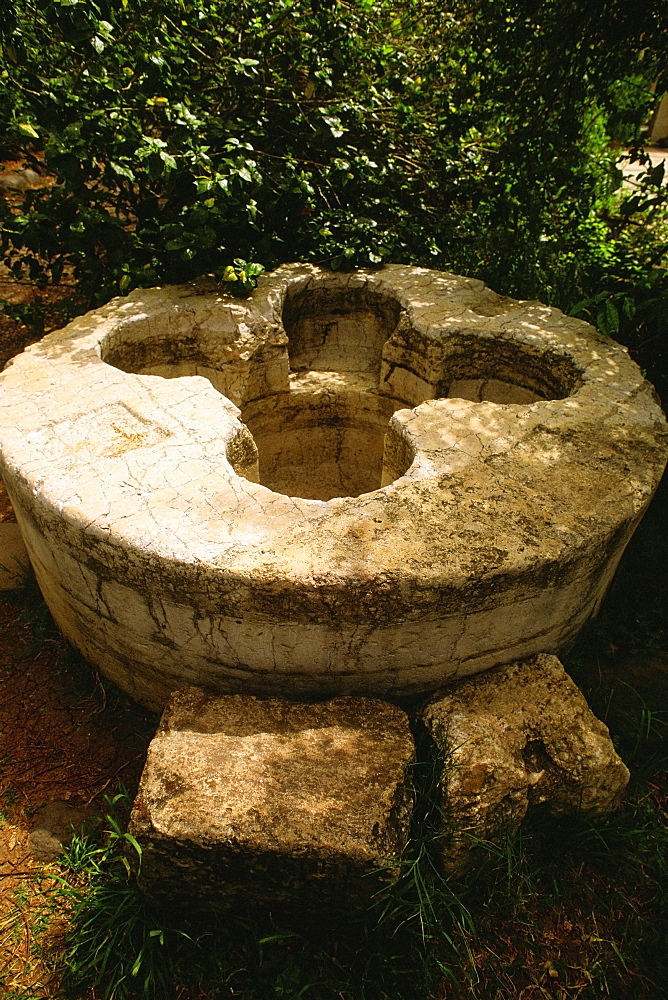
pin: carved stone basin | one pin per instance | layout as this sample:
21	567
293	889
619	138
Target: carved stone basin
369	483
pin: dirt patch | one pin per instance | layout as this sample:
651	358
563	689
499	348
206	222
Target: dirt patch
6	509
63	736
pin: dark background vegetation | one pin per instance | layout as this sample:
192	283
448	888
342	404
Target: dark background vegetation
473	136
478	136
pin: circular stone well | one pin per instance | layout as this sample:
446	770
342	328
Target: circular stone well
367	483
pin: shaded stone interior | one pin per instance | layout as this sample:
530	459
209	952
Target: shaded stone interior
324	438
318	410
499	371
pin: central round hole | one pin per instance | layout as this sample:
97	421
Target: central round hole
324	438
319	444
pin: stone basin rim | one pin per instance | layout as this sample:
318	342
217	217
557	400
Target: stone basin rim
591	387
134	486
89	515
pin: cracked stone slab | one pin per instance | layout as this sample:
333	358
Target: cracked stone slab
273	800
519	736
366	483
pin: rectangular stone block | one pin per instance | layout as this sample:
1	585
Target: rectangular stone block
273	801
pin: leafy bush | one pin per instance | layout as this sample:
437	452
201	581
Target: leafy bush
186	133
241	277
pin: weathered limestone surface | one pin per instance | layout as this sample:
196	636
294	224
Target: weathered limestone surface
273	800
517	736
211	493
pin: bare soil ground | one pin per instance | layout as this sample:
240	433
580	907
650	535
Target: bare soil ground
61	738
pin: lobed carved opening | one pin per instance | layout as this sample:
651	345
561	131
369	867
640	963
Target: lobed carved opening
318	413
324	438
338	329
505	371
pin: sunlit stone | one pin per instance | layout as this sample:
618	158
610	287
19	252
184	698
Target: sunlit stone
348	484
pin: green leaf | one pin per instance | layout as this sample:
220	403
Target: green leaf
168	160
135	844
179	243
27	129
607	318
122	171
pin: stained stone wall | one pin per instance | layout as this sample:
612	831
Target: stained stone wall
365	483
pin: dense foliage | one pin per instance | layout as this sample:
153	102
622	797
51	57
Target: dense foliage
186	133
